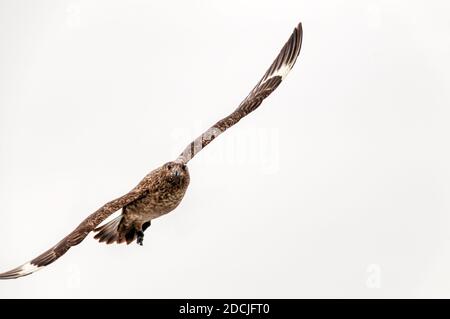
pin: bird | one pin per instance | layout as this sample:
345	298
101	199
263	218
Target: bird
162	190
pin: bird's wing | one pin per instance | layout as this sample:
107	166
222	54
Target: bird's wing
269	82
75	237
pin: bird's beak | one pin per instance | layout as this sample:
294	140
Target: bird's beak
176	177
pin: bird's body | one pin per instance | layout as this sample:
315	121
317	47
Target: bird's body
162	190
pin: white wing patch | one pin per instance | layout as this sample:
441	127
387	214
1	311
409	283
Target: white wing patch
283	71
27	269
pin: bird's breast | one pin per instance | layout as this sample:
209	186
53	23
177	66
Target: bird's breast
159	201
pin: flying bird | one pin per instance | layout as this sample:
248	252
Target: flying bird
162	190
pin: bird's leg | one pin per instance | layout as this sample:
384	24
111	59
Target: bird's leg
146	225
140	237
140	233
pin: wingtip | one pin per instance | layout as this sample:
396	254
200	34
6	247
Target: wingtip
21	271
299	29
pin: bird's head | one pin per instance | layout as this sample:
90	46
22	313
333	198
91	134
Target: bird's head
176	173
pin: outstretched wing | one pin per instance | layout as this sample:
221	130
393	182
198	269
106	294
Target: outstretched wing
269	82
75	237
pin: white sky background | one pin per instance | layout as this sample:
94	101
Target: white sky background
338	186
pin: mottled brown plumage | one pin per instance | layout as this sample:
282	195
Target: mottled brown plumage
162	190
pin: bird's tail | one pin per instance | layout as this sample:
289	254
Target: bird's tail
109	232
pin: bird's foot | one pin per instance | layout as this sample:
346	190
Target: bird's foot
140	238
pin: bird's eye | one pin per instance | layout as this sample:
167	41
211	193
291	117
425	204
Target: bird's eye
184	167
169	167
